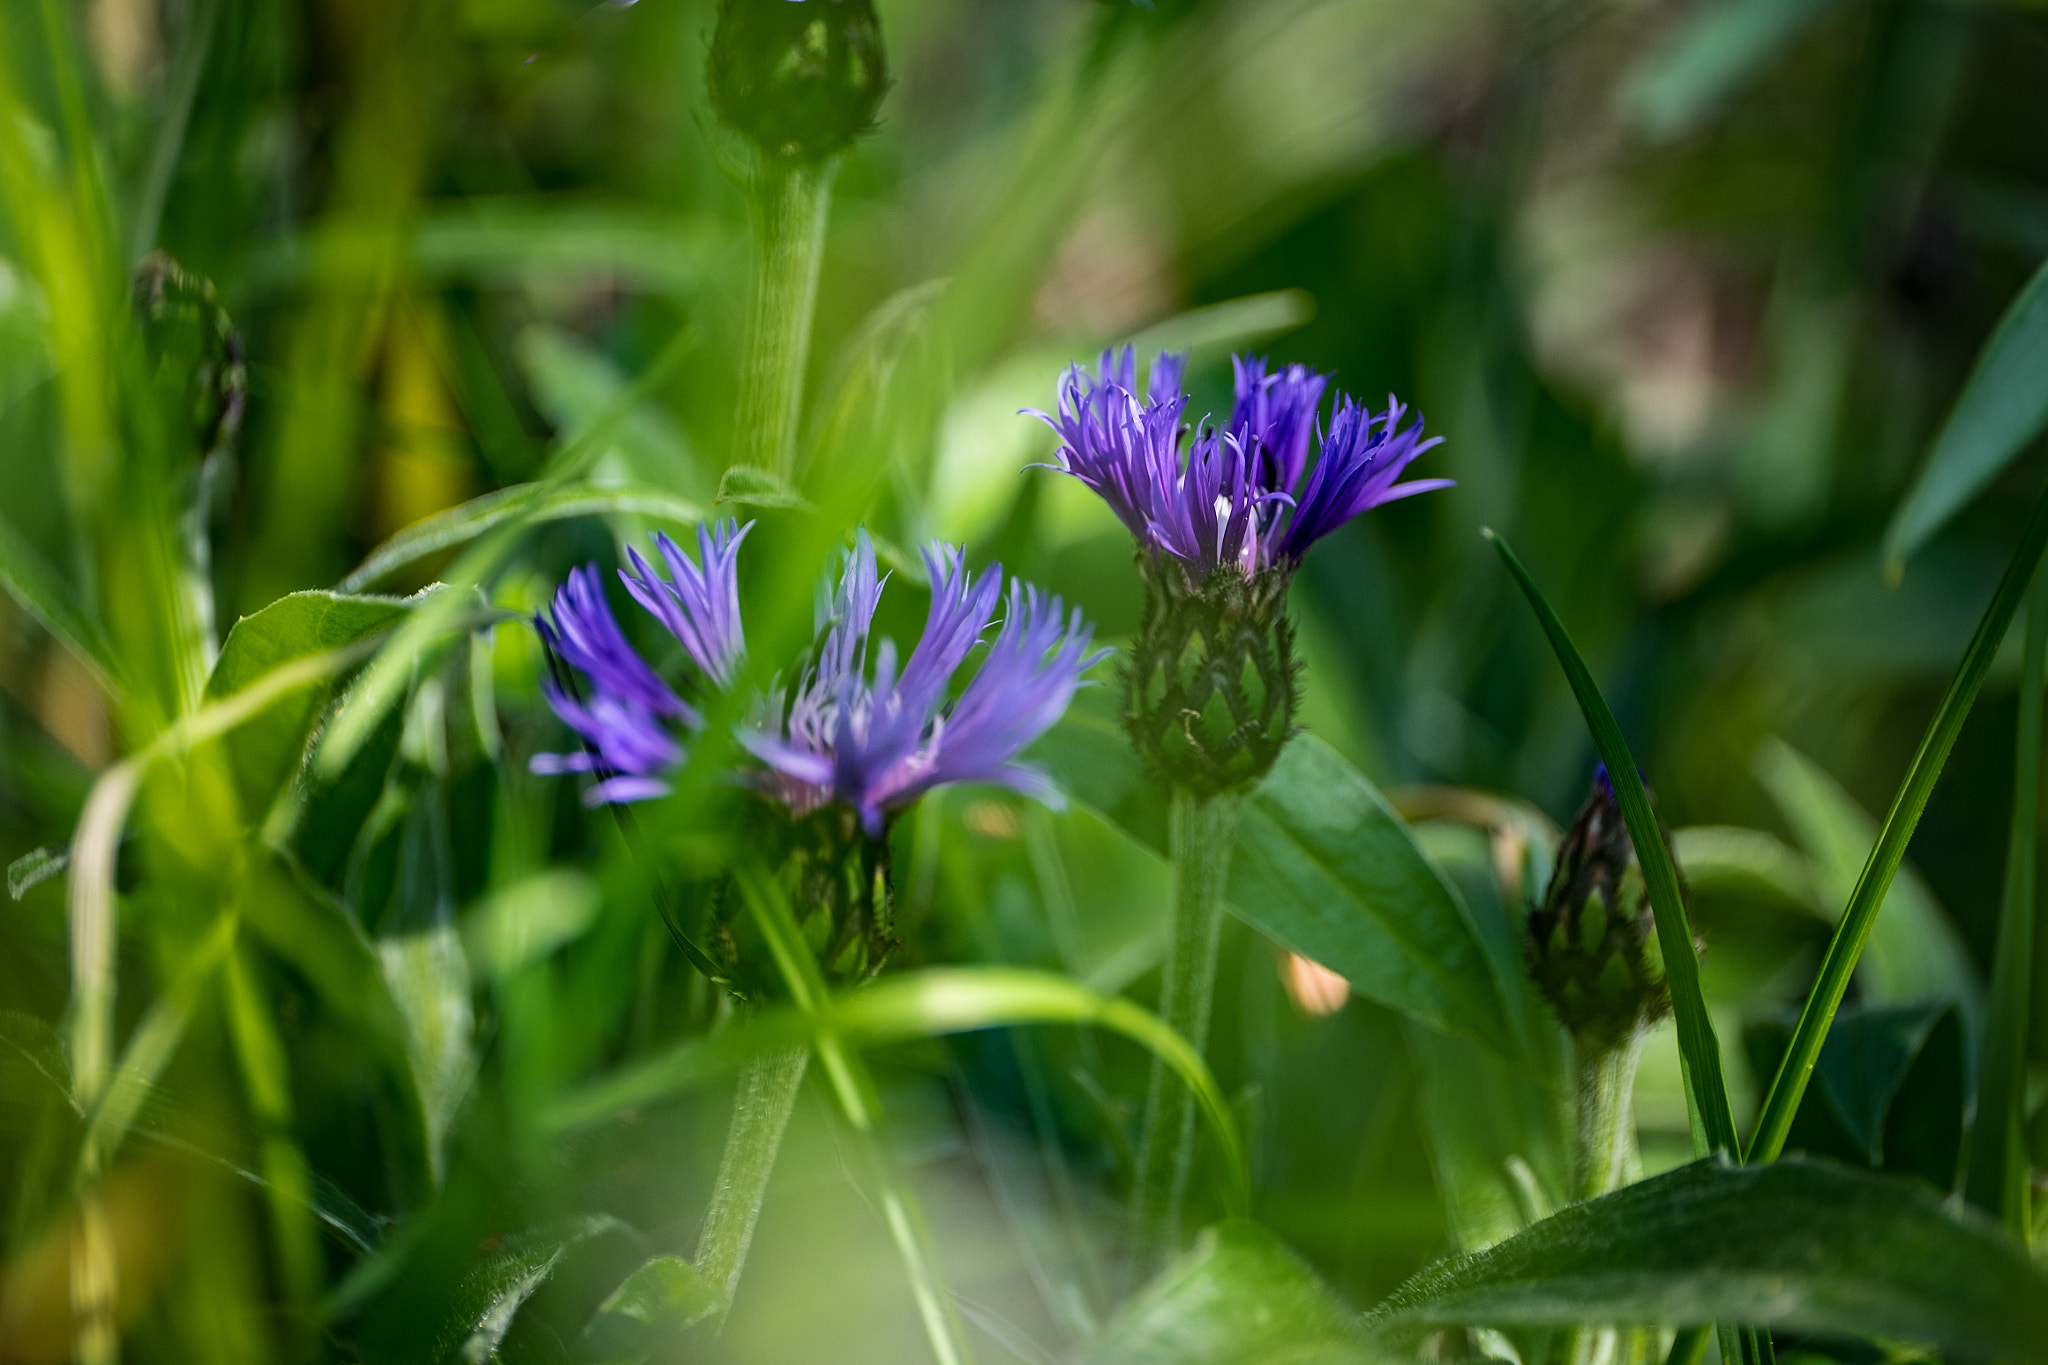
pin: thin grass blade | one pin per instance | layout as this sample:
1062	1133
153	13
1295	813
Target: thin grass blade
1781	1102
1997	1171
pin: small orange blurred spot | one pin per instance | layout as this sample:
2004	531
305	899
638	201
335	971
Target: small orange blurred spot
1313	988
993	819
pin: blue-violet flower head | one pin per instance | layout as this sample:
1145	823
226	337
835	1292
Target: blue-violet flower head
633	724
1244	495
856	730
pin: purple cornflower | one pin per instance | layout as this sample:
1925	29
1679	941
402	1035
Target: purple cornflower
633	724
878	739
1237	495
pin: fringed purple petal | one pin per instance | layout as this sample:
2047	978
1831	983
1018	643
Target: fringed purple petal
1362	456
586	636
699	605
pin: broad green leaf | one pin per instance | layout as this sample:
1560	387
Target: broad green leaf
2002	409
1238	1297
1803	1244
1914	952
1712	54
1706	1085
535	501
29	580
664	1295
1323	865
266	750
1888	1092
490	1297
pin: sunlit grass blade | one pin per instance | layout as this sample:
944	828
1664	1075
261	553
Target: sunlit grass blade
1781	1102
30	580
1997	1171
535	502
1697	1045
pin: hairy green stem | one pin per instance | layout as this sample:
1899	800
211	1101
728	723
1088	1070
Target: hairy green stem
768	1088
791	201
1997	1180
1201	832
1604	1159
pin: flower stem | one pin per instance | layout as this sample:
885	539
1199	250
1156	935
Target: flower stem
791	201
767	1096
1604	1159
1201	832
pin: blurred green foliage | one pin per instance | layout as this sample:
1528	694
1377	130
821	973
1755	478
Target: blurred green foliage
1691	289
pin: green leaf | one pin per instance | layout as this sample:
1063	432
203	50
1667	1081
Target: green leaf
2003	407
1802	1244
1238	1297
529	919
1697	1046
1914	952
664	1295
1324	866
1890	1089
1749	862
490	1297
29	580
1781	1101
266	750
535	501
1716	51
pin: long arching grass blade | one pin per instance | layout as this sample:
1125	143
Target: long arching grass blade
1781	1102
1697	1045
940	1000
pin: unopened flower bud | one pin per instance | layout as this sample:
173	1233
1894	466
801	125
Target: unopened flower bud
800	79
1591	944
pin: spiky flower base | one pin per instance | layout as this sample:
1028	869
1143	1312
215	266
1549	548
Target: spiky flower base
1211	686
1592	942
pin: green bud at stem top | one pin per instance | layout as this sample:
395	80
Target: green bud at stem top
800	79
